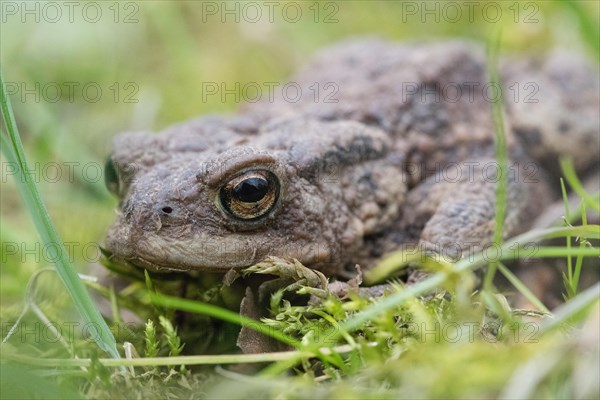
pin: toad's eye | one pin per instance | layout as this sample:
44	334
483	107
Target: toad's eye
111	177
250	195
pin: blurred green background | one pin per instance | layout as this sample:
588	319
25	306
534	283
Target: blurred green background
81	72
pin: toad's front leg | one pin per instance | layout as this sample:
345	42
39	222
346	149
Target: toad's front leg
456	213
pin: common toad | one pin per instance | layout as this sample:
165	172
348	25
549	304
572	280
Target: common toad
401	154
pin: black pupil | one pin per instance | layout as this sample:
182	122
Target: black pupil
251	190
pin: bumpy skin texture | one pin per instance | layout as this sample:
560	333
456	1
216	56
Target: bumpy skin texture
398	159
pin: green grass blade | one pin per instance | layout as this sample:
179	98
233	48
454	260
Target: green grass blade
568	238
167	361
569	309
501	152
587	25
566	166
13	150
579	260
571	278
520	286
576	213
558	251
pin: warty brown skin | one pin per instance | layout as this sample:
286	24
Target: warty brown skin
363	175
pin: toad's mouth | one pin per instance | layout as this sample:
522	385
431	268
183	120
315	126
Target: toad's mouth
156	265
132	266
197	252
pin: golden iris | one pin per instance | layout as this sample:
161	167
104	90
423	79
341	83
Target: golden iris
250	195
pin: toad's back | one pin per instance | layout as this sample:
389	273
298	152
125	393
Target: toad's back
436	100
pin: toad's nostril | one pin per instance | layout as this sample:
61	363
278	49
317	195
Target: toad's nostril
167	210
